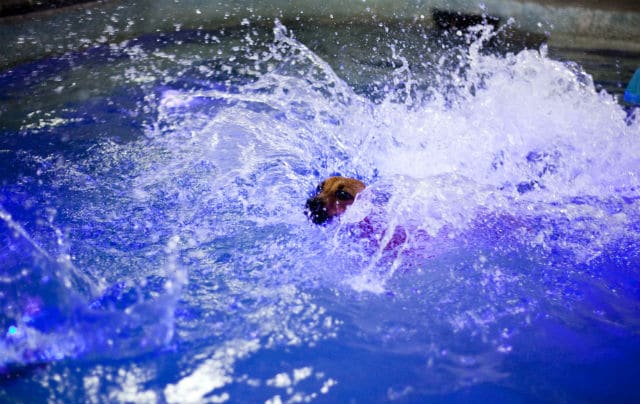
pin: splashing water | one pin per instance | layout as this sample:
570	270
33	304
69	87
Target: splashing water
496	198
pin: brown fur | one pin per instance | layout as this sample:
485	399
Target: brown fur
332	198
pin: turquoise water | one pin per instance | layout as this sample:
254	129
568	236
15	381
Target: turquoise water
154	245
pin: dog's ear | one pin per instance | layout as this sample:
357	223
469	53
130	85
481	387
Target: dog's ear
355	186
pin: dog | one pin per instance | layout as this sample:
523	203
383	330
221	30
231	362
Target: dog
332	197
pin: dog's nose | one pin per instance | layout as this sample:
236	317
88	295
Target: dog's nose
314	204
316	211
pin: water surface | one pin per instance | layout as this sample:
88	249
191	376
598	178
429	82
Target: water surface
154	244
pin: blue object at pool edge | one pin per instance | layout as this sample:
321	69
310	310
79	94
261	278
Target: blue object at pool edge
632	93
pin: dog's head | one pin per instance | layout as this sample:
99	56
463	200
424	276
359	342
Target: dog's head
332	198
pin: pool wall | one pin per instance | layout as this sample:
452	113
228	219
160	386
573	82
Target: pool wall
606	24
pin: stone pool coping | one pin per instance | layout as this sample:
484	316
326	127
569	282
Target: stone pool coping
599	24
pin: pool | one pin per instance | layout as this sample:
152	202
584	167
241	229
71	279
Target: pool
154	245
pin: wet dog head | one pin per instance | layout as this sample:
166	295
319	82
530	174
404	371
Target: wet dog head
332	198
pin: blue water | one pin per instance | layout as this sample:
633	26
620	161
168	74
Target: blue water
154	245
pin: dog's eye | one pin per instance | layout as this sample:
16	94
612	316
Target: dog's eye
319	188
343	195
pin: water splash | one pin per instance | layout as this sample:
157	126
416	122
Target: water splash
52	310
492	189
476	181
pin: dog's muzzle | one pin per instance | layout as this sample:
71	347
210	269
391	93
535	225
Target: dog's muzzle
316	211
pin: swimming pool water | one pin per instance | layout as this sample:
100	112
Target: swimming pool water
154	246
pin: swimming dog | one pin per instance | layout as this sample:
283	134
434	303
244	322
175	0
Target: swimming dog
332	198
